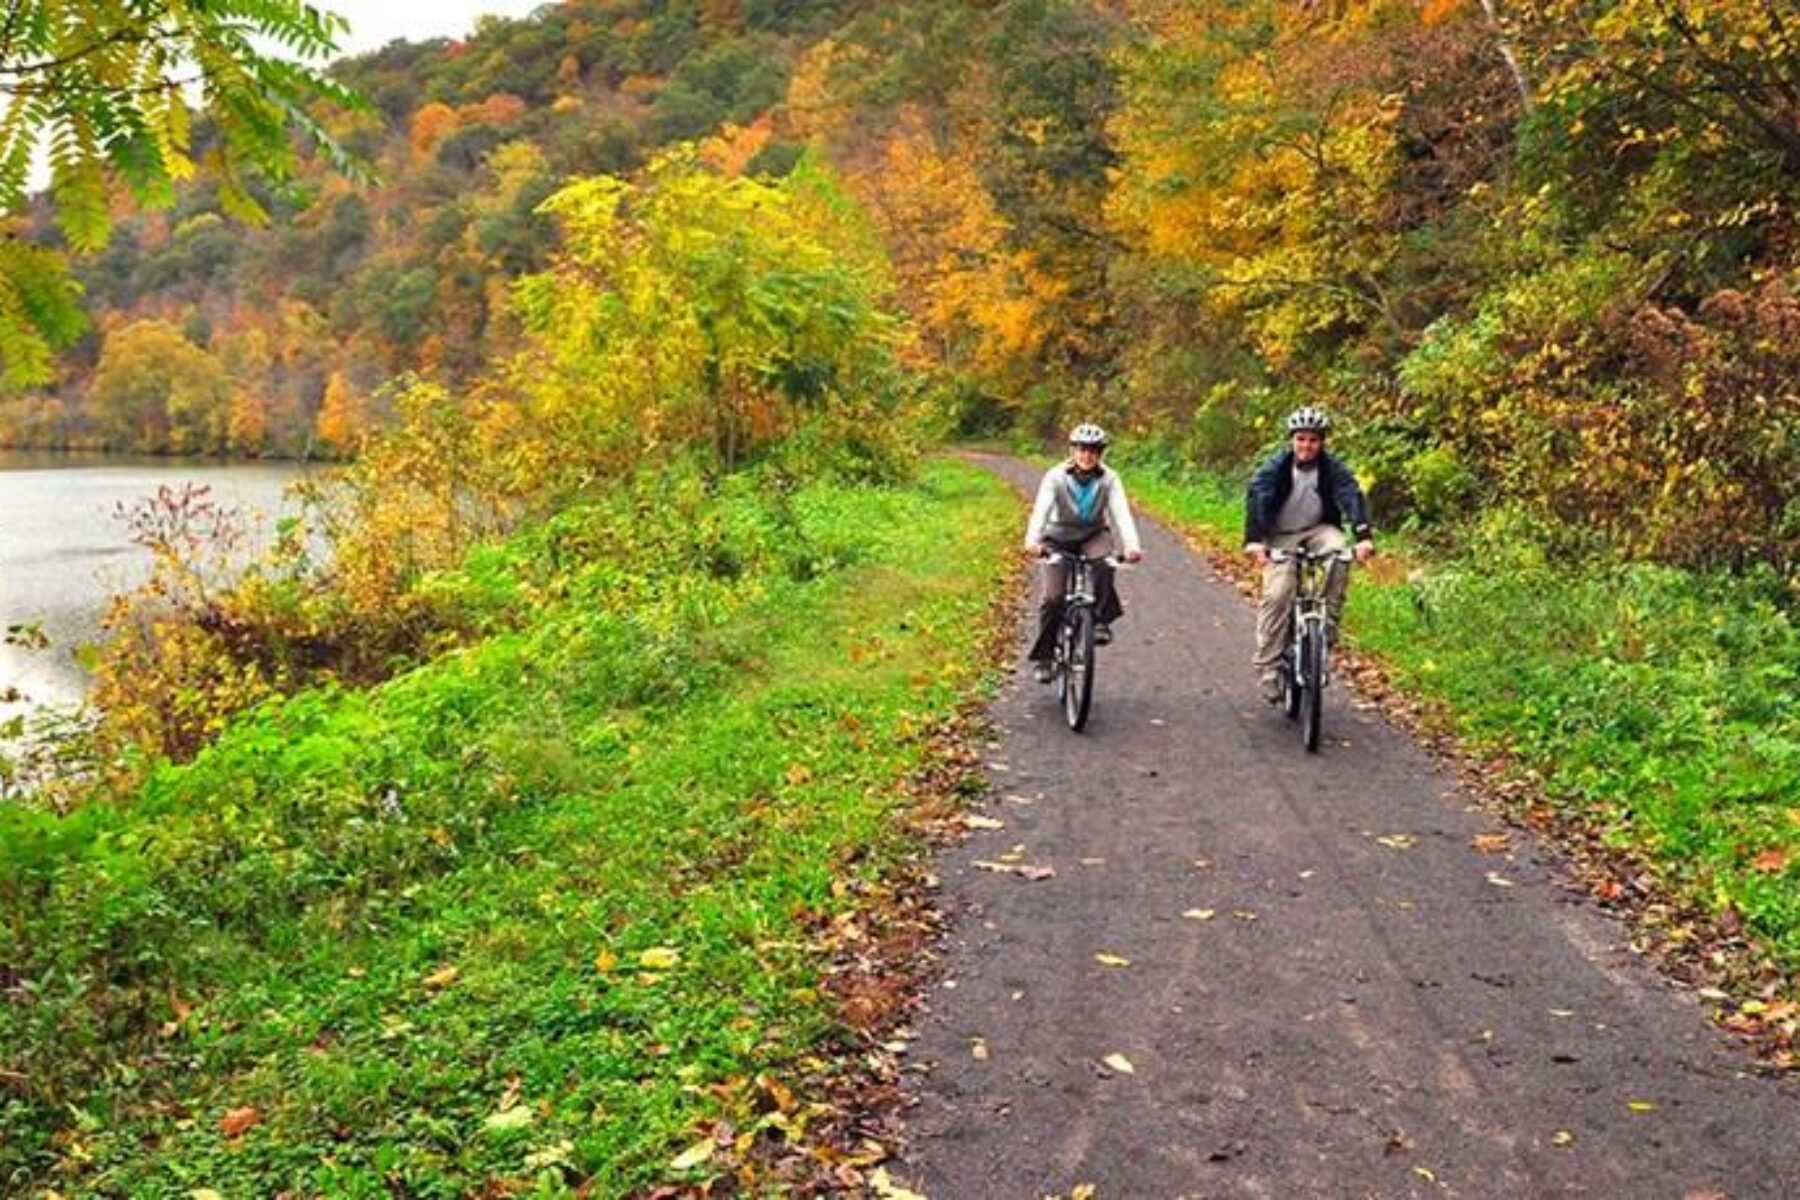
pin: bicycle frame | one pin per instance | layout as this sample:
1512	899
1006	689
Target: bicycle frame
1073	663
1306	659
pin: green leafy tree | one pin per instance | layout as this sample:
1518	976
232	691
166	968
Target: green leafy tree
109	94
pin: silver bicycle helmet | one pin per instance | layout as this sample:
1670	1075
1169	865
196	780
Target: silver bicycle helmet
1086	434
1308	418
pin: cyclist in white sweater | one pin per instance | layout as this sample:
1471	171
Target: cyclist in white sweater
1080	509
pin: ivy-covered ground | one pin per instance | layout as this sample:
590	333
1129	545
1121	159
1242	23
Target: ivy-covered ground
552	912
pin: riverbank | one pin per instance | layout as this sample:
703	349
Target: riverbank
65	551
365	939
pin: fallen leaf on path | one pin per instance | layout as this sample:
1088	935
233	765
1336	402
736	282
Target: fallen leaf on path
1119	1063
1398	841
1111	960
979	822
1425	1174
239	1121
885	1187
1499	880
1082	1191
1641	1106
1199	914
1492	843
1023	870
978	1047
1562	1137
1562	1012
1093	862
1244	914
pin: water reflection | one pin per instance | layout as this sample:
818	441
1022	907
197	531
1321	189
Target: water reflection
63	552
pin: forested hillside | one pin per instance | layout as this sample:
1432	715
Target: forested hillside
1539	254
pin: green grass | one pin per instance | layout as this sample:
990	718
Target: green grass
1657	706
538	914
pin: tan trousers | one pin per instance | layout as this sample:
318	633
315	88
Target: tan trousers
1278	583
1107	608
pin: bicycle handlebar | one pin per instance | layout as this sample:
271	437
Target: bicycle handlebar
1064	556
1304	555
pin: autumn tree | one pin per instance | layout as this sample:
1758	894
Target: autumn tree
111	95
157	392
690	310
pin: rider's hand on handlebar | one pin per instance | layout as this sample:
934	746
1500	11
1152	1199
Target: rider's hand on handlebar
1132	556
1258	552
1365	550
1041	550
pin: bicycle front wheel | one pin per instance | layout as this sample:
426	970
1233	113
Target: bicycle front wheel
1312	688
1078	697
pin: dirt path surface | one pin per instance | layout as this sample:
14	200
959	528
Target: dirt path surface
1330	991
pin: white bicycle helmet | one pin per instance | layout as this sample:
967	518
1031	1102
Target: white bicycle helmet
1308	418
1086	434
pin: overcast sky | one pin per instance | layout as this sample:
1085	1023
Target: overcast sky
375	23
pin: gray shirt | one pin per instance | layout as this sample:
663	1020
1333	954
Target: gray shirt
1303	508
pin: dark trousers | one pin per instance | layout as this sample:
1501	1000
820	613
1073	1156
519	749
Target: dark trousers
1107	608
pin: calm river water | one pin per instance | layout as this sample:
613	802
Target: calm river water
64	552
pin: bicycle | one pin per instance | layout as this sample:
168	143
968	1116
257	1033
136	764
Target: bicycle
1306	659
1072	665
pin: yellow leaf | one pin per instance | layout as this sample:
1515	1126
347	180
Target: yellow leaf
204	1194
605	961
885	1187
659	958
975	821
1641	1105
693	1156
441	978
978	1047
1120	1063
1398	841
511	1118
1111	960
1082	1191
1562	1137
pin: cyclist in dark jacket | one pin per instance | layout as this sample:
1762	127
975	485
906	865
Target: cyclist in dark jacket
1300	497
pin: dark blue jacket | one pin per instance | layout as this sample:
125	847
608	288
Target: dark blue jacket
1345	506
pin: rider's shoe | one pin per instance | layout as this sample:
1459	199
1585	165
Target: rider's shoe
1042	673
1270	686
1102	633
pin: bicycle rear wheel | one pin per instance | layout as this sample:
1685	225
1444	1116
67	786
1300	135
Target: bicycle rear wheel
1078	697
1312	689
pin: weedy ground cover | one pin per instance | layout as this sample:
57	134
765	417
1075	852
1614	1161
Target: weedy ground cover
540	914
